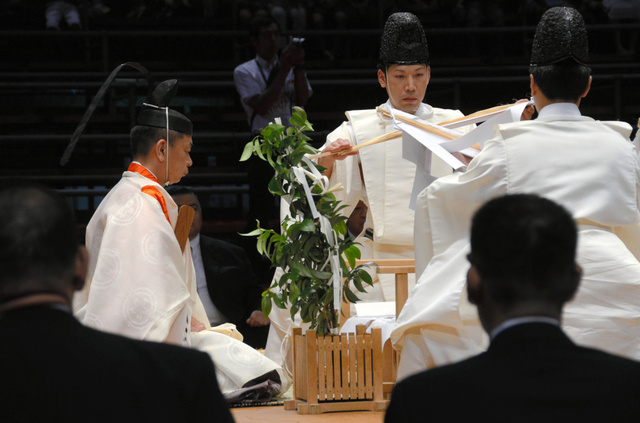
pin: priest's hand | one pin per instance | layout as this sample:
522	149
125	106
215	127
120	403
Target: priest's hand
257	319
528	111
197	325
342	148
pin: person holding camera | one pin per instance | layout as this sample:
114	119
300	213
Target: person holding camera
269	86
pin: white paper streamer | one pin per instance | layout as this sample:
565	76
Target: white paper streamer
325	227
419	144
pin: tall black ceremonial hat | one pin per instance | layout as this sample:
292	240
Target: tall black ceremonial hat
403	41
155	111
560	35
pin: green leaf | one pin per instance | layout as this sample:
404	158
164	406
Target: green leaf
365	277
284	278
275	187
297	119
358	284
266	303
351	255
294	292
308	226
340	227
254	232
293	311
304	310
351	297
247	152
258	149
328	297
279	302
294	231
321	275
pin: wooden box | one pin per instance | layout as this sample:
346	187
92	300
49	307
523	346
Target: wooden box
337	372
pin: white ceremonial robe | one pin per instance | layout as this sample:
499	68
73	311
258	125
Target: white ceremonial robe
140	284
384	184
589	167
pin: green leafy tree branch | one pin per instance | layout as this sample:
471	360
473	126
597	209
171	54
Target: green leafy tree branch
302	249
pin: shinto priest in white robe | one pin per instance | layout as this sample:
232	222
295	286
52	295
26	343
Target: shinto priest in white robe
589	167
141	285
383	179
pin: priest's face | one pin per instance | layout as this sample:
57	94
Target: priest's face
180	158
406	85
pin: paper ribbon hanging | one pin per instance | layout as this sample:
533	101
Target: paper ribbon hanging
419	144
325	227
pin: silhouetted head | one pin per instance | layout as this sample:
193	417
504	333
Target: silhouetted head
523	252
38	242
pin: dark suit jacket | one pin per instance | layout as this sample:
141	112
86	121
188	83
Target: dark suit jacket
233	286
54	369
530	373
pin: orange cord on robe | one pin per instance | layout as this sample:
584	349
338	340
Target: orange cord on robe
150	189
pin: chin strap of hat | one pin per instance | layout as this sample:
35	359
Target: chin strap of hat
94	104
166	168
166	113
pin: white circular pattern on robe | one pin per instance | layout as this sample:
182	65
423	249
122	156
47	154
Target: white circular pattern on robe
128	213
151	243
241	353
140	306
123	195
108	269
93	322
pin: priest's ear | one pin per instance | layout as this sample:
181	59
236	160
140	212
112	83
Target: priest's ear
475	289
586	91
382	78
160	150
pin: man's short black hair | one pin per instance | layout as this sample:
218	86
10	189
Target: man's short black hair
523	247
38	240
259	22
144	137
565	80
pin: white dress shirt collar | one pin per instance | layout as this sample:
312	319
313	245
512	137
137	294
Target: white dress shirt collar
564	109
509	323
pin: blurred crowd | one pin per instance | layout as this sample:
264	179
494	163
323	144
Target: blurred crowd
296	15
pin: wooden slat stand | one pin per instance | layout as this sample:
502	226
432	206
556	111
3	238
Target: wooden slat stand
337	372
401	269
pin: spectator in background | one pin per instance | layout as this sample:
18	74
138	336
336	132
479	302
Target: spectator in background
227	286
289	11
62	12
269	86
328	14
